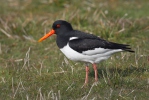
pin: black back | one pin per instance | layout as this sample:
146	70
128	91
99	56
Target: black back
90	42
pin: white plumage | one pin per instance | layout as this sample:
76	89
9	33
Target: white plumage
92	56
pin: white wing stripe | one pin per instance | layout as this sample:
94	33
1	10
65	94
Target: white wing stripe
96	51
73	38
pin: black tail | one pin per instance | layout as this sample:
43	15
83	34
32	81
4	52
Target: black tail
124	47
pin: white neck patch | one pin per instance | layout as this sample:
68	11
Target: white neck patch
73	38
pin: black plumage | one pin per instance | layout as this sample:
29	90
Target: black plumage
87	41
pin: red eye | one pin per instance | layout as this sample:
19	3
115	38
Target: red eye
58	25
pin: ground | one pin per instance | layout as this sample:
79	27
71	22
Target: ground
31	70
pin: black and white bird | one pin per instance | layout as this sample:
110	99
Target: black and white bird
81	46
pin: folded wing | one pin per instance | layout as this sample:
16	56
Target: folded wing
92	46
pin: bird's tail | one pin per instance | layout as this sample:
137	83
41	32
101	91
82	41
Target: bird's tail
124	47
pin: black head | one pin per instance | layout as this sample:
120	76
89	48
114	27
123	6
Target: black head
61	26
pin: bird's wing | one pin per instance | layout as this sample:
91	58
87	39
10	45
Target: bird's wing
92	46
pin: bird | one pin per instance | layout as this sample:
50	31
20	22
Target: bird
83	47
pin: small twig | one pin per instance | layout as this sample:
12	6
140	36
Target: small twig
123	29
18	60
104	77
135	97
29	38
59	94
123	55
59	72
3	31
35	68
41	96
27	97
120	94
41	68
22	84
111	91
26	59
16	90
49	94
12	86
130	92
3	79
69	85
85	98
0	48
147	80
66	61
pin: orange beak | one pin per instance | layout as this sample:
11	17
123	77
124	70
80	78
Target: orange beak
47	35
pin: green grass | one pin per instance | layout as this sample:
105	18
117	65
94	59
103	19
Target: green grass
39	71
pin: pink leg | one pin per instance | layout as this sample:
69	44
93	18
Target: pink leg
87	72
96	72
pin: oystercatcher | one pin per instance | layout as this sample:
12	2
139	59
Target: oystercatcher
81	46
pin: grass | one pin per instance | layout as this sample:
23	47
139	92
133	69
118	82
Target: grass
39	71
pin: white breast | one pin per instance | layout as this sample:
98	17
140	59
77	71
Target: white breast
72	54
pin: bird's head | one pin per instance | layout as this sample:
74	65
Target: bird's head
58	27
